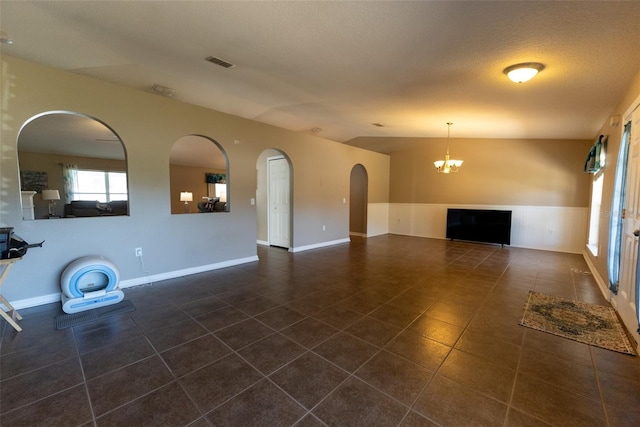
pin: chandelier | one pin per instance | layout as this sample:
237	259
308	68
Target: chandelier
448	165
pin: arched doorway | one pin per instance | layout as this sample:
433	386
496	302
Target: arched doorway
358	190
274	201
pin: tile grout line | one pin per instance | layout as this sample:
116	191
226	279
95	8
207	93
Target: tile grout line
84	377
350	375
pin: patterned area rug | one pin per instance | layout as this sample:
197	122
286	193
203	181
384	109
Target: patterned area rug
591	324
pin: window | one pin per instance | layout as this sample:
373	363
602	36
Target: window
617	205
594	221
594	164
103	186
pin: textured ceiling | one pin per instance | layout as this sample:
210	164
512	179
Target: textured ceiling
340	66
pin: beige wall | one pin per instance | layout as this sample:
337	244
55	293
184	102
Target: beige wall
149	125
495	172
188	178
544	173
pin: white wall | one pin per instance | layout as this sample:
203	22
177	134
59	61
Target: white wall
552	228
377	219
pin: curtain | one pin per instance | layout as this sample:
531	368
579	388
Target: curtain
70	180
596	156
617	204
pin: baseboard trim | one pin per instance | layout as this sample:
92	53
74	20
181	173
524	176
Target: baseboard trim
352	233
33	302
319	245
262	242
599	280
184	272
47	299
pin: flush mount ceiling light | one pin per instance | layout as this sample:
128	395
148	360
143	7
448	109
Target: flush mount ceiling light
521	73
448	165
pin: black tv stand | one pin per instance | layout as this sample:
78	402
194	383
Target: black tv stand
479	225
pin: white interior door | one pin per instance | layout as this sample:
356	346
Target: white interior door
279	202
626	301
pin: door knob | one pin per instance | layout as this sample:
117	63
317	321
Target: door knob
637	232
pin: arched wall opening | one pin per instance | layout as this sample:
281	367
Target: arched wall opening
71	165
199	176
358	189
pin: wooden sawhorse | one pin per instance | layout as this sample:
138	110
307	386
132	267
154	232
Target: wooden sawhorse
11	314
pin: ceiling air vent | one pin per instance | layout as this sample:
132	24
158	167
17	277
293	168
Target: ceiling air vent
163	90
220	62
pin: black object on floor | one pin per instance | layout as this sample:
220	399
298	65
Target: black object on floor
64	321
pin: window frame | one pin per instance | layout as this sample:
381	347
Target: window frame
593	239
108	195
617	208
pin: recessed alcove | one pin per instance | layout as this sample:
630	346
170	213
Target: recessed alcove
75	164
199	178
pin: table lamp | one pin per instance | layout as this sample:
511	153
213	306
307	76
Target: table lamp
51	196
186	197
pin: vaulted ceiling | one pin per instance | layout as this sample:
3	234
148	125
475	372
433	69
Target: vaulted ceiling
334	68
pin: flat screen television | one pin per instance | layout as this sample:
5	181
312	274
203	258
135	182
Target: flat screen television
479	225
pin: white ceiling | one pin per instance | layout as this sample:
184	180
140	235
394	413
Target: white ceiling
340	66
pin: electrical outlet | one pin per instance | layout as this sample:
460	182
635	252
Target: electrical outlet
324	228
138	252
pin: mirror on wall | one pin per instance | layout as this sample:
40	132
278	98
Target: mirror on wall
71	166
199	182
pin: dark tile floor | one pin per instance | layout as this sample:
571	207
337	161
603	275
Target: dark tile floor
385	331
